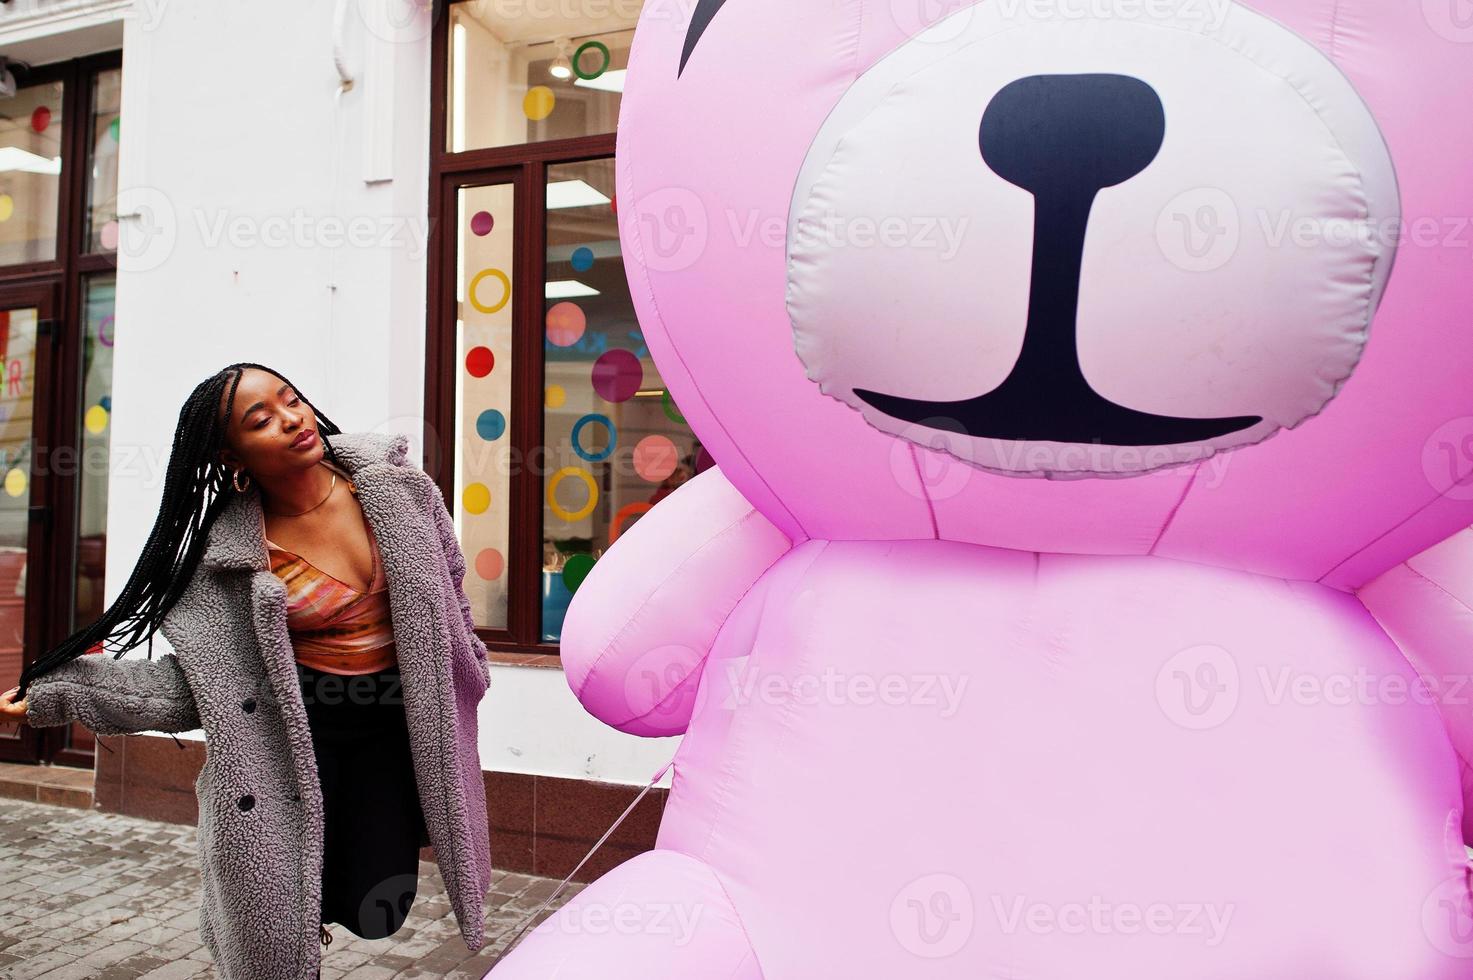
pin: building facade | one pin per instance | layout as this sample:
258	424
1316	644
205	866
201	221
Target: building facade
408	210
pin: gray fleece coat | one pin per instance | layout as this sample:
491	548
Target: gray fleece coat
234	675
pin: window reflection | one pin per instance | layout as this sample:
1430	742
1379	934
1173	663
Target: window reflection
616	443
102	185
516	78
95	440
17	403
30	174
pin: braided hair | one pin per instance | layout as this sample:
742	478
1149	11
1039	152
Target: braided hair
197	488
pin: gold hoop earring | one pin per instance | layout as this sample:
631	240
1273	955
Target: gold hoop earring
235	479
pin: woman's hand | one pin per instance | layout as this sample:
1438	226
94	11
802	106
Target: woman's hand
12	712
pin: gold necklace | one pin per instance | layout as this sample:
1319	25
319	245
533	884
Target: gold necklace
330	487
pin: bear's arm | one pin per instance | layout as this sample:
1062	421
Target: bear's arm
1425	605
641	624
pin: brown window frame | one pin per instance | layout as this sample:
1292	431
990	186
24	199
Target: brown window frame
524	165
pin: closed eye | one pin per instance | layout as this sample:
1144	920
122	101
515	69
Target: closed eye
700	20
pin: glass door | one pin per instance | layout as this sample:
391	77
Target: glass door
28	338
477	303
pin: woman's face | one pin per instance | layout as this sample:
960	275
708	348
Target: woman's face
265	425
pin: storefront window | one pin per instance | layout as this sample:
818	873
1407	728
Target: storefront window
30	174
616	442
104	131
18	331
515	78
95	439
486	231
56	338
564	433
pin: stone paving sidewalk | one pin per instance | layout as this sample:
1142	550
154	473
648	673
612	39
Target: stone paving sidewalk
86	895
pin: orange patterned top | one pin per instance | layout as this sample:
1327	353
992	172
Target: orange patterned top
334	627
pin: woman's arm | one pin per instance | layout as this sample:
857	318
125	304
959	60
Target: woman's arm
114	696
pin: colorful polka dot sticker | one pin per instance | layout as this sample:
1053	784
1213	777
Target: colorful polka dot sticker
482	223
617	375
490	425
109	236
572	473
565	324
105	335
623	516
15	482
479	361
41	118
106	401
7	207
703	460
575	570
496	305
671	412
556	396
115	129
655	457
475	498
490	564
602	50
96	419
539	102
577	437
582	259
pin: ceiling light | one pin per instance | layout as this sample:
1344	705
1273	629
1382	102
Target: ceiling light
569	289
561	67
609	81
573	194
14	158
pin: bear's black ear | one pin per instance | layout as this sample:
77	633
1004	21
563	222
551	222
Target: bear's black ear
699	21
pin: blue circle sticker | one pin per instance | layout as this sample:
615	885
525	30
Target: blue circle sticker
490	425
578	430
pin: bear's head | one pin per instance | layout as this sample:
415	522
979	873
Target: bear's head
1080	276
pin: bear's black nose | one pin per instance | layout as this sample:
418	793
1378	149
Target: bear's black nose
1063	138
1068	136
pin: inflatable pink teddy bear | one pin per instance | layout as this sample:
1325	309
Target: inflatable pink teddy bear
1083	586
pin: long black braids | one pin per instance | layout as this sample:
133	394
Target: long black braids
197	487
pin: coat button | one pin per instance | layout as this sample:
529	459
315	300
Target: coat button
249	704
247	801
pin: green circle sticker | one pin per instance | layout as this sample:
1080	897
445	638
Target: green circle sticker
575	570
598	46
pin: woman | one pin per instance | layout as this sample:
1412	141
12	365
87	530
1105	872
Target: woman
310	582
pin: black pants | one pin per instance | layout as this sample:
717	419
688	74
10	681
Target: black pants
373	823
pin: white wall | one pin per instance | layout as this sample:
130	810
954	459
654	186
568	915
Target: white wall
246	174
